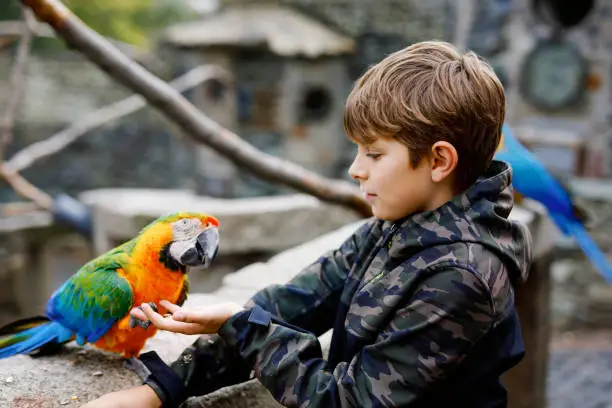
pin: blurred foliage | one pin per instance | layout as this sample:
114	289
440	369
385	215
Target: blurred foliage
132	21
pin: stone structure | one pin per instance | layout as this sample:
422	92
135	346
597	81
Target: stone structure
294	62
290	83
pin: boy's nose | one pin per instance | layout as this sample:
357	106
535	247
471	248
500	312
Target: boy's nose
356	171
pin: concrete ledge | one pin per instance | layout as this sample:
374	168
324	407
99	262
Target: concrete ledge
81	374
268	224
26	221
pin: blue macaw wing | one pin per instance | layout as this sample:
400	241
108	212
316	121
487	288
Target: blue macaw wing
531	178
92	300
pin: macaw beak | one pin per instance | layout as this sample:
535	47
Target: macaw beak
205	249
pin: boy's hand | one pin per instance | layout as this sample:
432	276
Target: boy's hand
142	396
203	320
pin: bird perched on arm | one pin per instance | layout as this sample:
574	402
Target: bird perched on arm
531	179
93	305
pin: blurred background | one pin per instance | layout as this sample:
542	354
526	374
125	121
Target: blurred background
288	66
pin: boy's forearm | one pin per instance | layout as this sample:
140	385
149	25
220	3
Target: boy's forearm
143	396
209	364
310	299
205	366
288	360
147	397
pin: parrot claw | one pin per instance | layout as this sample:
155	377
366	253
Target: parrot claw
137	322
142	323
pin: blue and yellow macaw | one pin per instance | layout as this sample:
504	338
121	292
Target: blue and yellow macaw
532	180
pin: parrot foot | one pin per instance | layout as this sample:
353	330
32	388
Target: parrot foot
142	323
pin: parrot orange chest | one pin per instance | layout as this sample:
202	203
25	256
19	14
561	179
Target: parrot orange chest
152	280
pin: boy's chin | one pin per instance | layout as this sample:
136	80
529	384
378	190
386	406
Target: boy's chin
384	215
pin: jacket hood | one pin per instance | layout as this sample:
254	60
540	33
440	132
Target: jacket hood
478	215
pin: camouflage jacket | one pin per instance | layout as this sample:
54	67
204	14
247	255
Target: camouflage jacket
422	312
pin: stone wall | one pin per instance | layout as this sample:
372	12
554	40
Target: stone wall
383	26
138	150
287	107
265	104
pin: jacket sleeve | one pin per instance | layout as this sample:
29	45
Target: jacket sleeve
424	341
309	300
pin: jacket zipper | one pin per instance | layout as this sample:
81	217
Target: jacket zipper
389	235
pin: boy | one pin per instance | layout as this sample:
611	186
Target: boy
421	297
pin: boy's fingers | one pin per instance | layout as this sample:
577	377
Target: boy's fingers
169	324
187	316
149	312
170	306
138	314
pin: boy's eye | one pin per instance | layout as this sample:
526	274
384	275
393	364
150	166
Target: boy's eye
373	155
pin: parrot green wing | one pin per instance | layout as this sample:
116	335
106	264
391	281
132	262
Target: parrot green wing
125	248
94	298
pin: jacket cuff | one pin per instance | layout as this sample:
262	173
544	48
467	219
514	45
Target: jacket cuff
236	330
163	380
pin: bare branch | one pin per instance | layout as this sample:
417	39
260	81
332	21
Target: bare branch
17	83
194	123
26	189
17	80
44	148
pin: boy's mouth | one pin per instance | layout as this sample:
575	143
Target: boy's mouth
368	196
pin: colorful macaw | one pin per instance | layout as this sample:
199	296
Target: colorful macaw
93	305
531	179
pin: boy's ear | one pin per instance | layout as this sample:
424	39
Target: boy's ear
443	160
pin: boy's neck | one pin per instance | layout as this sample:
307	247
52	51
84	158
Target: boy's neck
440	196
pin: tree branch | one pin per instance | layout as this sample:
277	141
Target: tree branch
17	82
47	147
26	189
193	122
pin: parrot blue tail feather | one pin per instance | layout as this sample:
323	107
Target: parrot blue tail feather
34	338
590	249
22	325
